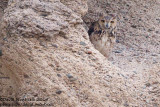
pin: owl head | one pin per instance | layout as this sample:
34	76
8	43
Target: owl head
107	22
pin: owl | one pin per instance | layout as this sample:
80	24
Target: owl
102	33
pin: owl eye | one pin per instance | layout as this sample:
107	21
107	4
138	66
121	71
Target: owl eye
112	21
103	21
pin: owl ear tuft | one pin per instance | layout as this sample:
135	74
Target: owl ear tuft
101	15
114	16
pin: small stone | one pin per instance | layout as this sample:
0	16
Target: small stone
114	100
157	32
69	76
72	79
151	29
135	72
26	76
117	41
148	84
59	75
59	69
89	52
55	45
36	47
44	90
118	51
44	14
5	39
127	5
147	101
1	53
51	65
133	26
58	92
83	43
158	20
43	44
107	95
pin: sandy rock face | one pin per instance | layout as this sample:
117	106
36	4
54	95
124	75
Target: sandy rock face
47	55
137	49
79	6
34	18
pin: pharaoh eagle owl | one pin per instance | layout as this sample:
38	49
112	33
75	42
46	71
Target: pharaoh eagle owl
102	33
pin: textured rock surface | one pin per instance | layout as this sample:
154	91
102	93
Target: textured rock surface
34	18
137	50
47	54
39	68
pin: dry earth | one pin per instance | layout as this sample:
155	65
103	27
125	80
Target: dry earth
47	54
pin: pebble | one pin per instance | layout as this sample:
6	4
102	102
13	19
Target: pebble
72	79
157	32
118	51
83	43
55	45
1	53
43	44
5	39
89	52
158	20
148	84
133	26
51	65
58	92
151	29
26	76
107	95
59	69
59	75
117	41
135	72
124	76
69	76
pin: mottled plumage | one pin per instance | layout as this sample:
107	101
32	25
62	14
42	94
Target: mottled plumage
102	33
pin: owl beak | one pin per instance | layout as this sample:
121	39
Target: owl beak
107	26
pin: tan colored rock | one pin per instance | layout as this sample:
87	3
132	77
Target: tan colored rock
137	48
32	63
79	6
